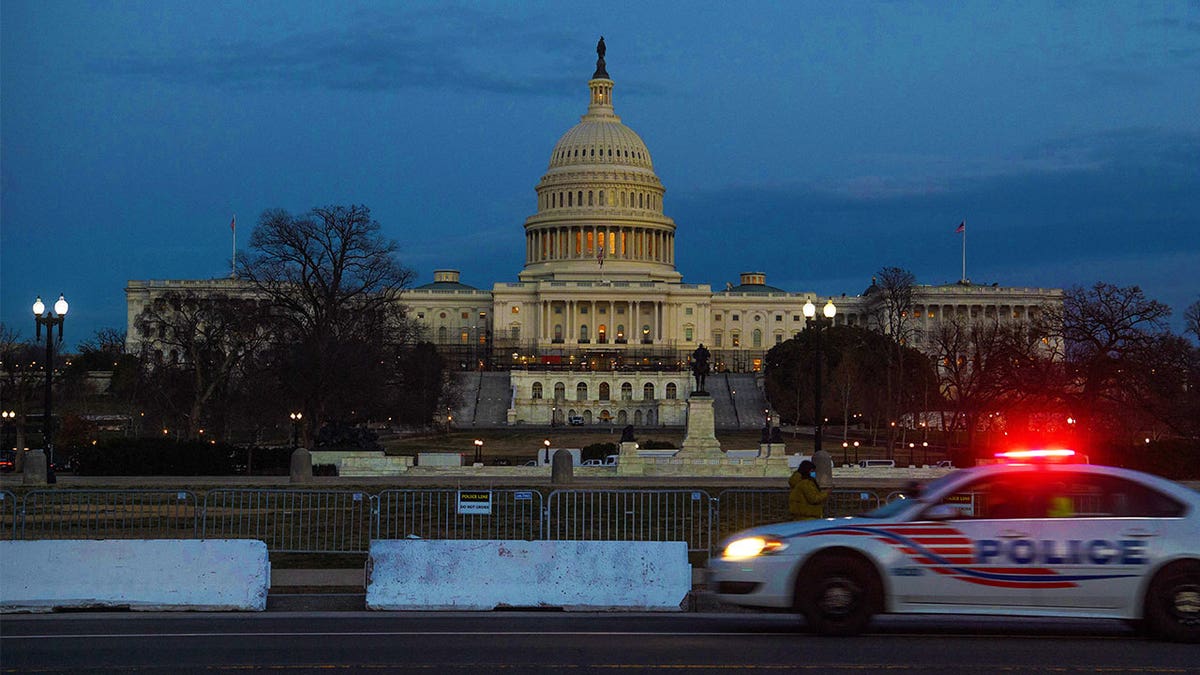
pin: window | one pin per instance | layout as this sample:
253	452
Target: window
581	391
442	334
648	392
466	315
558	332
756	337
779	338
687	334
420	315
464	337
560	391
716	339
735	317
626	391
778	317
736	339
583	333
687	311
516	310
583	309
671	390
514	331
716	317
604	390
442	315
537	390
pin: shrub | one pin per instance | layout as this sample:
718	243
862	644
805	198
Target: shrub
656	445
598	451
157	457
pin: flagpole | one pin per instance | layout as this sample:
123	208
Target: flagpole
233	266
964	251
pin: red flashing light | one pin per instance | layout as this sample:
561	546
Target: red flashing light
1049	453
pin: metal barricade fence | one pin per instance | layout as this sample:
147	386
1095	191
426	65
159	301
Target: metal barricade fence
109	514
850	502
458	514
291	521
739	509
8	515
631	515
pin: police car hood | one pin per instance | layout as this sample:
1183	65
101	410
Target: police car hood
791	529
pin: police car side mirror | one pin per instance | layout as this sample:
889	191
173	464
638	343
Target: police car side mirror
943	512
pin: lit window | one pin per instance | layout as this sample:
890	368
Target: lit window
516	310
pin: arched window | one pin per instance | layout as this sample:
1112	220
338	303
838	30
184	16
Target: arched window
591	198
637	418
442	334
579	197
537	390
514	331
621	332
604	391
583	332
671	390
464	336
602	334
600	198
623	199
560	391
558	332
640	200
756	336
581	391
648	392
626	391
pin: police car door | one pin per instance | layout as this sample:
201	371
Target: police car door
1101	534
974	557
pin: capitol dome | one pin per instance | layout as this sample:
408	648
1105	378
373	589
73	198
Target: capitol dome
600	210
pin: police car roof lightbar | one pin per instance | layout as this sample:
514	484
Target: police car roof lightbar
1053	453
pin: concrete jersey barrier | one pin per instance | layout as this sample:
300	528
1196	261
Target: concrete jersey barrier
421	574
146	574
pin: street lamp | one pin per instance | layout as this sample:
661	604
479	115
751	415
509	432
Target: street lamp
546	444
296	417
478	451
43	317
821	458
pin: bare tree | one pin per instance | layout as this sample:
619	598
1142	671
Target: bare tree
1191	319
200	339
1109	332
892	291
20	377
334	282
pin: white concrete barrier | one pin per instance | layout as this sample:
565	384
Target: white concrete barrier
143	574
419	574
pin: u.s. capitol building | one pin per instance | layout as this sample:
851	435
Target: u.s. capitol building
600	323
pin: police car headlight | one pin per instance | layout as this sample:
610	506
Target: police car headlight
749	547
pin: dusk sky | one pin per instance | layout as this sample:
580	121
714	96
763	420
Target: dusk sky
814	141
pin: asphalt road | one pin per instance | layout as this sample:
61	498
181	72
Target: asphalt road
524	642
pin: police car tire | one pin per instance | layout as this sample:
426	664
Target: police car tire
1176	578
850	578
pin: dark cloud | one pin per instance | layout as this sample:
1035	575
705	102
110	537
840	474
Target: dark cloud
454	49
1131	193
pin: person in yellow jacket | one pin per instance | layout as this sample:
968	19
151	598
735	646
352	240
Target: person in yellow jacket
806	501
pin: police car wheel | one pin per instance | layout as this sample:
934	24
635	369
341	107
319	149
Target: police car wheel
1173	602
837	594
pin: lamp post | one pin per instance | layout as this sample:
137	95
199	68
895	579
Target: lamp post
478	451
296	417
546	444
44	317
821	458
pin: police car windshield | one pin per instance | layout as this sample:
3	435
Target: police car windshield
912	493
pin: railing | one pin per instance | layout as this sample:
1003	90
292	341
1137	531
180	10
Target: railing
8	515
631	515
291	521
344	521
109	514
458	514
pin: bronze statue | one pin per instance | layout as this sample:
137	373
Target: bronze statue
601	72
700	367
627	434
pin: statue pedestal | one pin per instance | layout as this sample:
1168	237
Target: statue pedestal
700	440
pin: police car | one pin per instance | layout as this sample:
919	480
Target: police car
1024	537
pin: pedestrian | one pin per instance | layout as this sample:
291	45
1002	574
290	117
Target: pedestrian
806	501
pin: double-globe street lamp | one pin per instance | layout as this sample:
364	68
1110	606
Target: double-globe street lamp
823	460
296	417
44	317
